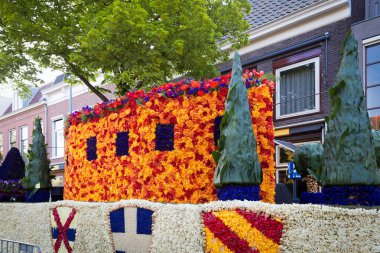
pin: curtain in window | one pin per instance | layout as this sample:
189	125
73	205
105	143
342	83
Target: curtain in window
373	8
297	89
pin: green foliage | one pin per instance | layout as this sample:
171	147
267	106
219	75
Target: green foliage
236	157
132	43
349	153
37	172
308	159
376	139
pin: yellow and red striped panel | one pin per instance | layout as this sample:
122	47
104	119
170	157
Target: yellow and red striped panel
241	232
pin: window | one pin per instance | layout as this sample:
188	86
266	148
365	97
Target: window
24	141
281	176
372	8
58	138
372	80
283	156
297	90
12	138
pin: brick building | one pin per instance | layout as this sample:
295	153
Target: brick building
299	41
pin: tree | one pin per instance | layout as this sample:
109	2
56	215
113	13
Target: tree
37	173
348	150
236	157
132	43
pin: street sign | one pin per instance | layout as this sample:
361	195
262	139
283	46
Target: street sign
292	172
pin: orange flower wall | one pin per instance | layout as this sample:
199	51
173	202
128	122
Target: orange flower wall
182	175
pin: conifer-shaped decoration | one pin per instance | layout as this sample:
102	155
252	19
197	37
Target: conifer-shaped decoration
13	167
349	152
37	173
238	172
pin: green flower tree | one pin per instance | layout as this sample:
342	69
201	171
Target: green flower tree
349	151
238	172
349	172
37	173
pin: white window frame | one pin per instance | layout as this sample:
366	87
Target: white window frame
316	61
9	138
53	142
367	43
21	136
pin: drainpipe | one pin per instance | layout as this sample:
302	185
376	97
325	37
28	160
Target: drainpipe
46	121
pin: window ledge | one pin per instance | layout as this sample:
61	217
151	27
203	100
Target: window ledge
56	157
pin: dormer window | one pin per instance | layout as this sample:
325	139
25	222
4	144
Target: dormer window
17	102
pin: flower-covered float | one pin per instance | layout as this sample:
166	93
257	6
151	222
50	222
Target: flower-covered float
158	145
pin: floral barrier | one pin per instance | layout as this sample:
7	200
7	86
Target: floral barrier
158	145
11	190
363	195
224	226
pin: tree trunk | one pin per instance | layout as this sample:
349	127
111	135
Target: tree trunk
76	72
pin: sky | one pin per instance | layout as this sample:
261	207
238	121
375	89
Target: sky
47	76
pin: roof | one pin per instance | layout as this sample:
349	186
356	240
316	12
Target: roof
266	11
36	93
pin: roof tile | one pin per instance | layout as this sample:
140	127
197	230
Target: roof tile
266	11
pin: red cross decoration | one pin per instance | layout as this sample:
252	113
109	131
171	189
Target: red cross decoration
63	235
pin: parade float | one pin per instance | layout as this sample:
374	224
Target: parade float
143	173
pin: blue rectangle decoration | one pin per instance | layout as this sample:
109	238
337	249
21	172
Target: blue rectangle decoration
217	122
70	234
117	221
91	149
144	221
122	147
164	137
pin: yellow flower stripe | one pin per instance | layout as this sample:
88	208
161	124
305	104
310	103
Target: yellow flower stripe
213	244
245	231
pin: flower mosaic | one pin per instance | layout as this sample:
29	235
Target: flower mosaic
158	145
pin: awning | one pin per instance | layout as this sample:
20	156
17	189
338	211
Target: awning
287	145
